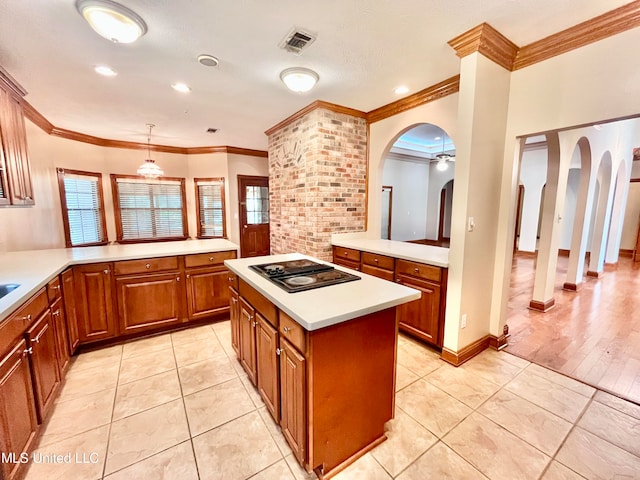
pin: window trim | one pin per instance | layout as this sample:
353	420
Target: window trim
118	213
65	212
224	207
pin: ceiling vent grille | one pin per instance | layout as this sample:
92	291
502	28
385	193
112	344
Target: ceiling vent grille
297	40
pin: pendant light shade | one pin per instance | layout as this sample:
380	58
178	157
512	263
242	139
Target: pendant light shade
149	169
111	20
299	79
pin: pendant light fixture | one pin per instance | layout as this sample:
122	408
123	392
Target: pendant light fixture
443	158
149	169
111	20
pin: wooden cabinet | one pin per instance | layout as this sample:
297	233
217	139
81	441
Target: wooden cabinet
95	312
42	346
69	299
293	399
63	351
234	316
207	292
247	339
346	257
18	421
267	365
148	302
423	318
15	175
378	265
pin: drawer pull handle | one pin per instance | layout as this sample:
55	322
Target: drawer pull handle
106	272
279	351
36	340
26	318
56	313
254	324
177	279
147	265
346	254
234	300
286	329
56	287
188	276
416	269
211	259
28	351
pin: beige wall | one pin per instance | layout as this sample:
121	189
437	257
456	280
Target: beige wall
40	227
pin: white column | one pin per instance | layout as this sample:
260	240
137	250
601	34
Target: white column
603	219
617	215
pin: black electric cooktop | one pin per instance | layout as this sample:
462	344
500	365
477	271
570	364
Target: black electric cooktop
299	275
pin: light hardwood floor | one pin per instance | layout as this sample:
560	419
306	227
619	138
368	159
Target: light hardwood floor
592	335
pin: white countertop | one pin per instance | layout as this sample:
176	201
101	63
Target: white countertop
325	306
437	256
33	269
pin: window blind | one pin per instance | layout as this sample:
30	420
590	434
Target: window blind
84	209
211	207
150	209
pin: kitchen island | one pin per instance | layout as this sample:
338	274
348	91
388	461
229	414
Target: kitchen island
323	360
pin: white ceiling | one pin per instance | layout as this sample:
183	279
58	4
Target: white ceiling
364	49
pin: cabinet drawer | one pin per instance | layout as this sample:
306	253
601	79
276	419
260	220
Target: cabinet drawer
15	325
293	331
347	253
378	272
233	281
420	270
260	303
204	259
147	265
380	261
54	291
347	263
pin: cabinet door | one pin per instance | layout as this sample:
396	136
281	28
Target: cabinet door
267	366
62	338
14	143
94	302
421	317
146	302
69	299
248	340
41	339
234	315
207	292
293	399
18	422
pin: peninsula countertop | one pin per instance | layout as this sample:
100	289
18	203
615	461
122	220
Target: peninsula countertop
325	306
33	269
415	252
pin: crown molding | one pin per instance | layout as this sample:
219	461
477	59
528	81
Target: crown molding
11	84
489	42
429	94
314	106
39	120
598	28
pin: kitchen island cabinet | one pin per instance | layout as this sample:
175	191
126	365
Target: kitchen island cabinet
324	361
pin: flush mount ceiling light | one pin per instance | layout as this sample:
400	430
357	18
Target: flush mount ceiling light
298	79
105	71
112	20
149	169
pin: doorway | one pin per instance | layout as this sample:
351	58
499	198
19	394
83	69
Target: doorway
387	206
253	195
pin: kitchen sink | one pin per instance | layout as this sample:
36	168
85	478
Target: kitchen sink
6	288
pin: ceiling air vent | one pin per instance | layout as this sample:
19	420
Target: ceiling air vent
297	40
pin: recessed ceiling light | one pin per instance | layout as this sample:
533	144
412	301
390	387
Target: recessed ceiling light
105	71
111	20
298	79
181	87
401	89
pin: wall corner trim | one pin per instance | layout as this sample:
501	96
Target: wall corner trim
466	353
488	41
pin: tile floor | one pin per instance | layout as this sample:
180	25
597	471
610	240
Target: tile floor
178	406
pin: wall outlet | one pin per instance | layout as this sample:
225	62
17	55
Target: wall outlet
463	321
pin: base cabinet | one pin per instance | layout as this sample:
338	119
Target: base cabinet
267	352
207	292
62	337
42	347
234	317
293	404
149	302
95	302
18	421
69	300
421	317
247	337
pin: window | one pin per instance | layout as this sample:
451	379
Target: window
257	198
82	208
148	210
210	207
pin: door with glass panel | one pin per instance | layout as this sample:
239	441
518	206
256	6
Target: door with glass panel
253	194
